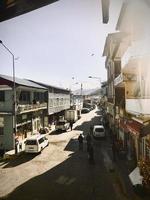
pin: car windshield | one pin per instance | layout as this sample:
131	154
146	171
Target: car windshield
99	129
31	142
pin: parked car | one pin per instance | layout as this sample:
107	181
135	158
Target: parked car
99	131
85	110
62	125
43	130
36	143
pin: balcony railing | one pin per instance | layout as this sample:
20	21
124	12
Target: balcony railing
138	50
31	107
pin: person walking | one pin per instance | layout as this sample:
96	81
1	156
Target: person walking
91	129
16	145
89	141
91	154
71	125
114	151
80	139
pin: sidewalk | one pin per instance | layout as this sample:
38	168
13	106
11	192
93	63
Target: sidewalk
124	167
11	154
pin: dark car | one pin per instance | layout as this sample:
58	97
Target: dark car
85	110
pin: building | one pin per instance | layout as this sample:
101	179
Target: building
23	117
135	60
58	101
128	83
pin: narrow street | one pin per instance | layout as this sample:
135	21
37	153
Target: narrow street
63	172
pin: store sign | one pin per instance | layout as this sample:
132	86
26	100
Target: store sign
119	79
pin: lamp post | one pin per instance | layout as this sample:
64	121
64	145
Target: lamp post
14	86
81	88
98	78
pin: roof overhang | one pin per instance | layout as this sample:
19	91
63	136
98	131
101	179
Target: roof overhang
112	43
13	8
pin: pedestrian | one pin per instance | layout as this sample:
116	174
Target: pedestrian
89	141
91	154
16	145
71	125
80	139
114	151
91	129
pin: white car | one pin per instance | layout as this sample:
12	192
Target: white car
62	125
99	131
36	144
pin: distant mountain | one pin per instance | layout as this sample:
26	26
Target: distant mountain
94	91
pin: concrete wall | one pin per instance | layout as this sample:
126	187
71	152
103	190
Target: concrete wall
7	106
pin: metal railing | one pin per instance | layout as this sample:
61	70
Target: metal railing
31	107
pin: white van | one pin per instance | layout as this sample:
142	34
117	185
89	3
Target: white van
99	131
36	144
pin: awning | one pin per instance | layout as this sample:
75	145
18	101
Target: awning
131	126
134	127
145	130
135	177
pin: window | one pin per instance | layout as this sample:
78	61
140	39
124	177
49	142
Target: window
2	95
99	130
25	96
31	142
41	140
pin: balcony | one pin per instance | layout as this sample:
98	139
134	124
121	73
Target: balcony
135	53
138	106
31	107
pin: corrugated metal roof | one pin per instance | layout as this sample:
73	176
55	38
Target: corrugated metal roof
22	82
52	86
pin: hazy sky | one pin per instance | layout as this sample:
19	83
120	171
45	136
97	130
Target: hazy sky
57	42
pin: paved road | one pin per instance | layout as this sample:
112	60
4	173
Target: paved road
63	172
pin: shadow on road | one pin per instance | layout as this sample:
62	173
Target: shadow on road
23	158
58	132
72	179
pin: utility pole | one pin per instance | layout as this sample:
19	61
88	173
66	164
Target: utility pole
14	87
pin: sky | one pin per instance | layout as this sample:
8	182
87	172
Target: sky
57	42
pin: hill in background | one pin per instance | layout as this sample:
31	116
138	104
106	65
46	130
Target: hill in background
95	91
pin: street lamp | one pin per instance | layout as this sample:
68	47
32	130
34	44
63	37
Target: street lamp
14	86
81	89
98	78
